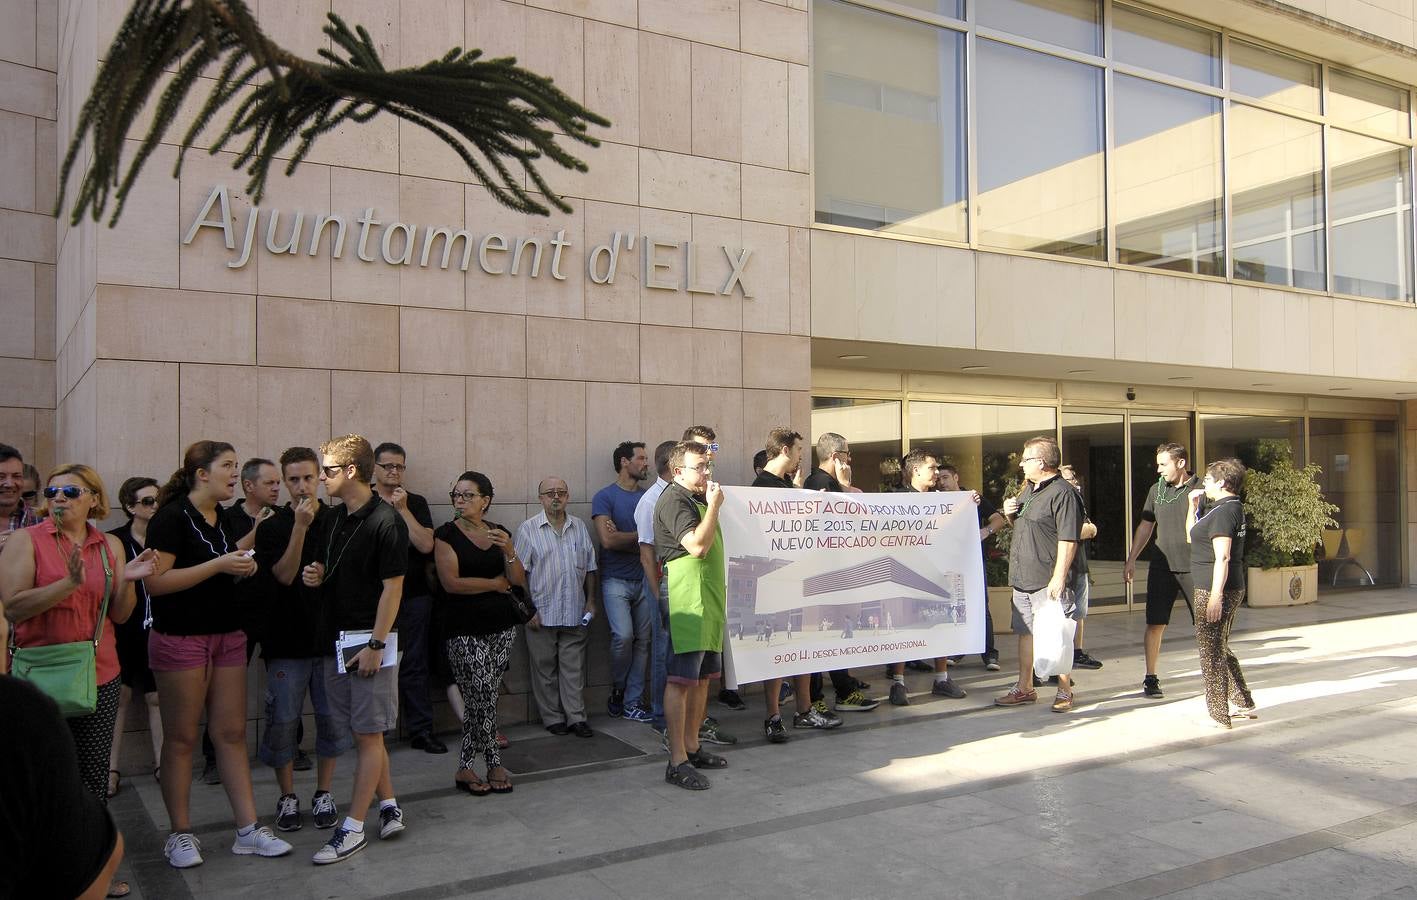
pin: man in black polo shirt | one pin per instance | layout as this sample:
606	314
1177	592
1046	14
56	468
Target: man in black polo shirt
1047	524
361	570
416	609
1170	571
291	644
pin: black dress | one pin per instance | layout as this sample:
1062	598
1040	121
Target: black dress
132	635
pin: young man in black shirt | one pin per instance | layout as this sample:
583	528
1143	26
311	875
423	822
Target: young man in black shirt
291	644
991	522
360	570
1170	571
1047	524
416	609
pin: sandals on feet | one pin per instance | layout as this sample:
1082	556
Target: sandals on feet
501	785
115	784
702	759
685	776
473	785
119	889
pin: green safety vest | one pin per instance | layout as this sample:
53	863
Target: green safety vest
698	593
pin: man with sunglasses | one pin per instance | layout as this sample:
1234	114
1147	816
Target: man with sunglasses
416	610
15	513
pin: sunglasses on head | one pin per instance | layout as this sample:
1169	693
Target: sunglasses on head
71	491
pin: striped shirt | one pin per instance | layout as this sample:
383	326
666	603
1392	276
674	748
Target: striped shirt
556	565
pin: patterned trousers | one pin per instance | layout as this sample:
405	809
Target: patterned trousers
1219	667
477	662
93	738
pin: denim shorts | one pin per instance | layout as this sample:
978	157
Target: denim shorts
287	682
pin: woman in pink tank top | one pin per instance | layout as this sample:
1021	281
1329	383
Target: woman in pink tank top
52	580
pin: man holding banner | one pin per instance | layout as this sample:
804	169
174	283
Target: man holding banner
690	550
1047	521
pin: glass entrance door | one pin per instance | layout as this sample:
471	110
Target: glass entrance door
1095	445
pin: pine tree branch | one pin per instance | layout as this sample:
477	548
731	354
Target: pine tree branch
494	114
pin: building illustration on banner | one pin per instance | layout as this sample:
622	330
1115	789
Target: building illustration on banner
768	598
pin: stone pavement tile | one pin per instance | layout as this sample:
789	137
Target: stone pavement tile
1398	845
1218	833
1018	878
980	845
1107	859
941	816
1317	876
584	886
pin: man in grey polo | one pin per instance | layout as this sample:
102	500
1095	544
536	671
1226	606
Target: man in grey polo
1047	523
560	565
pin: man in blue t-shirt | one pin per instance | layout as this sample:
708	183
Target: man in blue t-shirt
622	581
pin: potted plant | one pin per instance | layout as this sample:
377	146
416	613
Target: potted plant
1286	516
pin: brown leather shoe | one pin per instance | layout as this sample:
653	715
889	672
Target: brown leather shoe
1016	697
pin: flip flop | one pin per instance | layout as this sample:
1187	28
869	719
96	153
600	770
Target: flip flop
474	786
119	889
501	785
114	786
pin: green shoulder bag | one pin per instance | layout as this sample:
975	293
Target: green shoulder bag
68	673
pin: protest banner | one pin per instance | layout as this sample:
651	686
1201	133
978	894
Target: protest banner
820	581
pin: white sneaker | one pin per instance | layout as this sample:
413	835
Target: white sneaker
183	851
343	844
260	842
390	822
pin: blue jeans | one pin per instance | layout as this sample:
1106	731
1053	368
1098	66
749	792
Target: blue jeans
660	674
629	616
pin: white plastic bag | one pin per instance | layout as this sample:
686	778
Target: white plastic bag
1052	639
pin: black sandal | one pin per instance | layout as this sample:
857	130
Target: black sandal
119	889
684	776
702	759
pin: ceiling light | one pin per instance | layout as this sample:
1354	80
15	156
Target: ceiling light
1181	378
1340	389
1262	384
852	356
1080	371
972	368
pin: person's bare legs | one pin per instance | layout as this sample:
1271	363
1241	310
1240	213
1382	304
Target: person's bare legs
1077	638
226	720
125	697
371	773
696	707
1025	662
802	696
1152	641
154	726
676	710
772	693
181	696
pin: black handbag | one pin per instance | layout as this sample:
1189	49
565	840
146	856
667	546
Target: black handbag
503	610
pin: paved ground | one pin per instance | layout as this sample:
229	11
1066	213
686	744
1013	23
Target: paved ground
1123	798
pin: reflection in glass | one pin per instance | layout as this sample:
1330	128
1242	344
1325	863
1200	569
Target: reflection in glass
1368	104
1165	45
1169	193
1360	474
871	428
953	9
1276	180
1148	433
1040	153
1095	446
1257	441
1276	77
1075	24
889	123
1371	184
984	441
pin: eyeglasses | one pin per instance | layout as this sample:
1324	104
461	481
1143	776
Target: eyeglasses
70	491
332	471
555	493
392	467
28	495
455	496
1031	459
147	501
701	467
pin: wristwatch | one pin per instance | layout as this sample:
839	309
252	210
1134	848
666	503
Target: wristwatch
375	644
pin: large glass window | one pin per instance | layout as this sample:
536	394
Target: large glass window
1276	180
1169	192
1148	433
1369	104
1257	441
871	428
1277	77
1360	474
1371	214
1165	45
1040	153
984	441
889	123
1074	24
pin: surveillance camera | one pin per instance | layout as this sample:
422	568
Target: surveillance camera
1131	393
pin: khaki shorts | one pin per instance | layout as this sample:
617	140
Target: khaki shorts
361	705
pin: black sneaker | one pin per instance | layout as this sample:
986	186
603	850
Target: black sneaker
324	809
210	773
288	813
899	696
1081	660
428	743
1037	682
731	700
616	704
1151	687
785	693
948	689
991	662
775	731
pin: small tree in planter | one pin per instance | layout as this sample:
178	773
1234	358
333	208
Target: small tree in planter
1286	516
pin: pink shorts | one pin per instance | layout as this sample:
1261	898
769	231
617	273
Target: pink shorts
179	652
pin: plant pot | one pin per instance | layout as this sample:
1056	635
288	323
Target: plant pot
1286	586
1001	608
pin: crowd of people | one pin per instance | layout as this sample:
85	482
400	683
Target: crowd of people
358	603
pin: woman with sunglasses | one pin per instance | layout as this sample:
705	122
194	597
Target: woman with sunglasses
138	497
61	581
197	650
476	560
